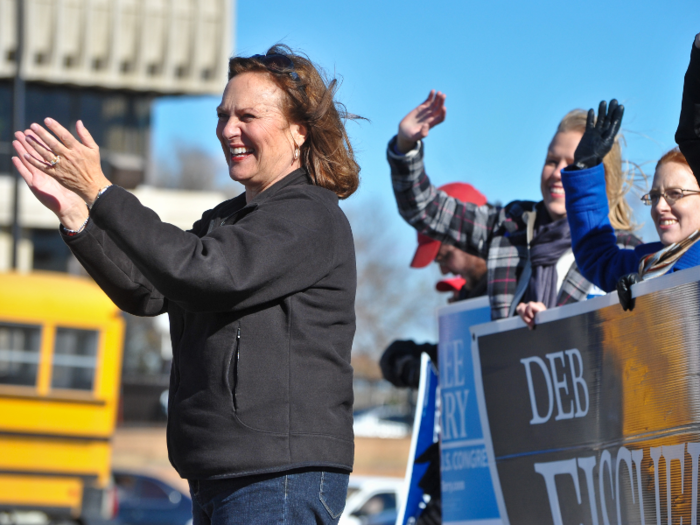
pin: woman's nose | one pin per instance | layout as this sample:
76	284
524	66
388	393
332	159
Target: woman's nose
562	164
662	204
231	130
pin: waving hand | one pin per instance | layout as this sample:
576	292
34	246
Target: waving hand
599	136
416	125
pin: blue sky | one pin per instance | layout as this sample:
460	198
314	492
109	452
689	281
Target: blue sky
510	70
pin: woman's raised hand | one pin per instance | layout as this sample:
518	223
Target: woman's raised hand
66	205
416	125
73	163
599	136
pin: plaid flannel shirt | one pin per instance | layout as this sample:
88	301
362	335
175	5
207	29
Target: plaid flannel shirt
494	233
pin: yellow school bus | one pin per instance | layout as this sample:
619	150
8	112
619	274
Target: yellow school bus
60	363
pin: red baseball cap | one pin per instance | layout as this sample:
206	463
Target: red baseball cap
454	284
428	247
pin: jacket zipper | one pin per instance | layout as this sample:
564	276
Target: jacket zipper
235	367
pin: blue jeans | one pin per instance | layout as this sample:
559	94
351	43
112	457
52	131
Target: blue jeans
297	497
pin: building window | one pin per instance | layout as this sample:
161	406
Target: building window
74	359
50	252
19	354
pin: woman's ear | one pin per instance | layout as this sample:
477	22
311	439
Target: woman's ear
298	133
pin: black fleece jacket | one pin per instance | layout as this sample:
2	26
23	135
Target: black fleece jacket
688	132
261	304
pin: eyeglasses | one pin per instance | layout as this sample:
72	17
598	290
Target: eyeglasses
278	63
671	195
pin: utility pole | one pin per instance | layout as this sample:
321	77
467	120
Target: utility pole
18	105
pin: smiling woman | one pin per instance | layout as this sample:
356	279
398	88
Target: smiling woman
674	210
316	138
673	201
672	198
674	216
260	406
259	143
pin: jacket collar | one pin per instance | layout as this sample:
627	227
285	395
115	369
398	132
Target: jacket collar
689	259
297	177
239	206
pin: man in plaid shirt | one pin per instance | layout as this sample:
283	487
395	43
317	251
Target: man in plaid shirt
503	236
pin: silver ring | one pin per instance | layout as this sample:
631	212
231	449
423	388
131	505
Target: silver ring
55	160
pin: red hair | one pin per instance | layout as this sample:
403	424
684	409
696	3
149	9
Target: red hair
674	155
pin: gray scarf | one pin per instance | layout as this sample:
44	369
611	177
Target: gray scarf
550	241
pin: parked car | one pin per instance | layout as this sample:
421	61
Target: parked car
372	501
145	500
383	422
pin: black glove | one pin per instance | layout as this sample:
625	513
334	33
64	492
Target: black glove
400	362
599	137
624	290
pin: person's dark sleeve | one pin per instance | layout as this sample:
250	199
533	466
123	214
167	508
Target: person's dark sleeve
433	212
593	239
265	256
688	133
400	362
114	272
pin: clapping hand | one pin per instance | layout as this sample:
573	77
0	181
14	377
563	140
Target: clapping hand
68	207
416	125
600	134
74	163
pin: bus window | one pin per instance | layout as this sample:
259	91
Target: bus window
74	359
19	354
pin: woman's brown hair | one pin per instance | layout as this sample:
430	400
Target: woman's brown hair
326	153
617	180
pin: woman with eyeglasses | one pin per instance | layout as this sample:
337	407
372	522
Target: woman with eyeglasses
675	209
260	292
526	244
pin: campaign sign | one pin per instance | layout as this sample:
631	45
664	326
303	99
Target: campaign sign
424	435
594	416
468	497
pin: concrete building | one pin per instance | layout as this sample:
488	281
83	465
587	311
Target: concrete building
104	61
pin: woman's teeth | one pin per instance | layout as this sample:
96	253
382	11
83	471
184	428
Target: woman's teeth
240	151
555	190
667	222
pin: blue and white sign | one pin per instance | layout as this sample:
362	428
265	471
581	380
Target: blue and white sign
468	497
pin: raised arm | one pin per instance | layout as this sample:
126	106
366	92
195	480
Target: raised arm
115	273
428	210
234	267
592	237
688	133
98	254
